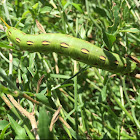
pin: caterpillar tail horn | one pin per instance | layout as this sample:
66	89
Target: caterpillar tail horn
5	23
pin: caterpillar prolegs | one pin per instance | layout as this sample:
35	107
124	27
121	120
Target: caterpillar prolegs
70	46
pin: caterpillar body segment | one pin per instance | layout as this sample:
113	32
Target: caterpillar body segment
70	46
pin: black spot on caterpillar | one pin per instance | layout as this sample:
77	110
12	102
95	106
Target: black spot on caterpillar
30	42
45	42
18	40
116	62
73	47
103	58
64	45
85	51
9	33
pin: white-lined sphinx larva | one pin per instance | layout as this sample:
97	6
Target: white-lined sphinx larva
76	48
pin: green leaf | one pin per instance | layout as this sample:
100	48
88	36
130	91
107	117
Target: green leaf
138	101
31	71
60	76
32	60
103	93
45	9
3	124
25	78
16	62
131	30
112	29
77	6
125	11
101	11
2	71
109	39
63	2
3	131
44	124
35	6
2	45
32	64
6	90
20	131
42	98
66	85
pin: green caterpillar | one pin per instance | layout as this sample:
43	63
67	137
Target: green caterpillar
76	48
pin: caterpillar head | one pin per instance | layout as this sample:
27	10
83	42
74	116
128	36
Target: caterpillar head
8	32
11	32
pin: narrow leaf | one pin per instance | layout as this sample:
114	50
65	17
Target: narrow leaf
44	123
77	6
3	124
20	131
131	30
3	131
42	98
2	45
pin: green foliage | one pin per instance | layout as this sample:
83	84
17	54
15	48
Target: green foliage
18	130
5	126
95	103
44	123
